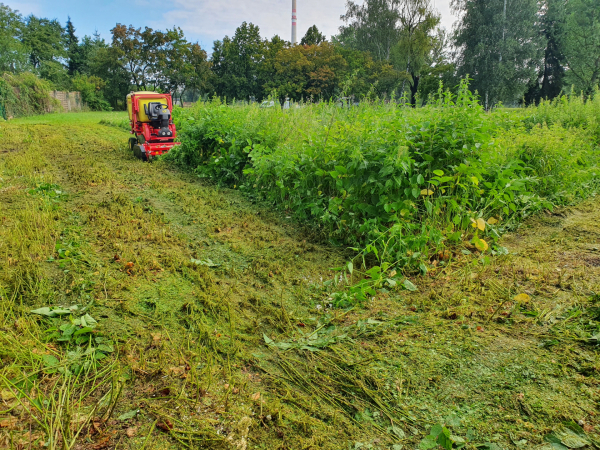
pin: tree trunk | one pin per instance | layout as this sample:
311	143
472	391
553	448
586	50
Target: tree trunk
414	88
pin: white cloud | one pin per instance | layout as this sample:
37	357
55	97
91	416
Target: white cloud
24	7
214	19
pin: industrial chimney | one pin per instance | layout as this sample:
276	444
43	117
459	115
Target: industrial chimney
294	20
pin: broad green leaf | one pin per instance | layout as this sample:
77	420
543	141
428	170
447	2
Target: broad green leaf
48	312
50	361
83	331
428	443
268	340
106	348
128	415
409	285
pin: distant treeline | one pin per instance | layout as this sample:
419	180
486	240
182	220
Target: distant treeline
514	51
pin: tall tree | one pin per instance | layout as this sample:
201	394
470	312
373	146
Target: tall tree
14	54
553	28
549	81
498	46
582	44
236	63
372	27
313	37
416	41
73	53
46	40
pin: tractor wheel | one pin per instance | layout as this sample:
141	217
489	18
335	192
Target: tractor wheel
138	151
132	142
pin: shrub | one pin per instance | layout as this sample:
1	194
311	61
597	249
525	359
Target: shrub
91	91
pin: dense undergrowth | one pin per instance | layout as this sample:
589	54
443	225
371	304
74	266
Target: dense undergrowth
397	183
24	95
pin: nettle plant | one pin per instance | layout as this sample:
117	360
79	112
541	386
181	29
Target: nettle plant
76	330
397	184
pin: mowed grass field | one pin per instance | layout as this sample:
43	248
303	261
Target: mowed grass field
210	326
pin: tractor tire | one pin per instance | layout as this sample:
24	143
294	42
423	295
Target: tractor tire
138	151
132	143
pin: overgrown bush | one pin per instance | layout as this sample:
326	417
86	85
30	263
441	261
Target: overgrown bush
25	94
398	182
91	91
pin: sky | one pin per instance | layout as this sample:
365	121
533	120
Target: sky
202	21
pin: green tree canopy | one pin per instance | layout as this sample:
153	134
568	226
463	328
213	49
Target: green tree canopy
372	27
416	41
582	44
236	63
312	71
499	46
14	55
313	37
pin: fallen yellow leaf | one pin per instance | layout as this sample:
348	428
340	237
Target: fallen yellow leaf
481	245
426	192
492	221
481	224
523	298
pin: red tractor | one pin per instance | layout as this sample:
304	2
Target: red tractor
151	123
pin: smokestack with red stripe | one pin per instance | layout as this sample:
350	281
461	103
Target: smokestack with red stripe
294	20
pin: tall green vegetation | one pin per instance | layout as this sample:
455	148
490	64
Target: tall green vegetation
24	94
398	182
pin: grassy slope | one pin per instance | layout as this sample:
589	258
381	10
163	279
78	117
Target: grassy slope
191	351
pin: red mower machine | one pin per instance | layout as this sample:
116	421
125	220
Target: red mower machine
152	124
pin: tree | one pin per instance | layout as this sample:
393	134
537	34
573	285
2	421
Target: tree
236	63
371	27
154	59
499	46
313	37
365	77
582	44
103	61
73	53
553	25
549	80
313	71
438	68
14	54
399	31
266	69
416	41
46	41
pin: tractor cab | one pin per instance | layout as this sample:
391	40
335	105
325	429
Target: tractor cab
151	123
